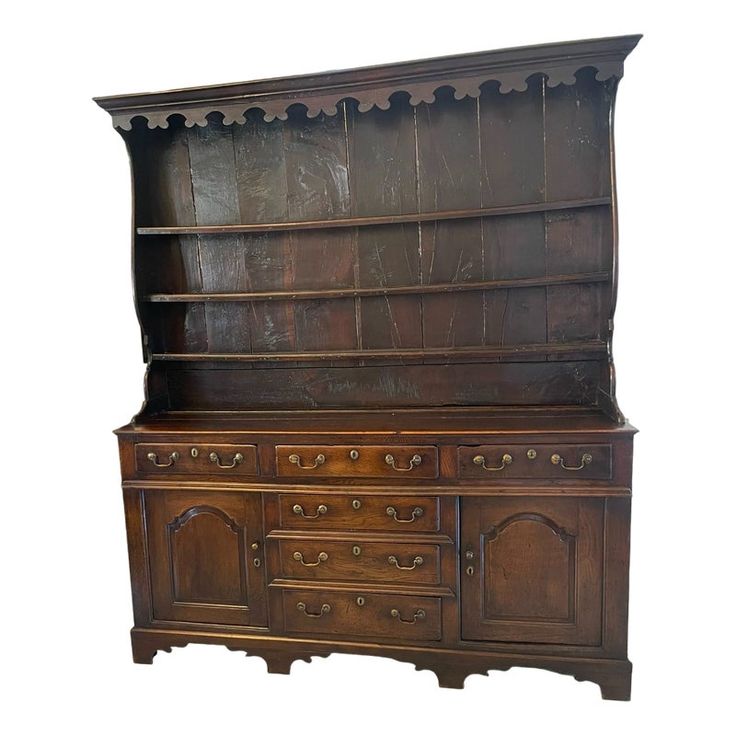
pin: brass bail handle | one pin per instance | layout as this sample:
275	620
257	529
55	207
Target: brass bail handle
418	562
298	509
321	557
301	606
413	462
586	459
237	460
419	614
481	461
415	514
154	459
296	460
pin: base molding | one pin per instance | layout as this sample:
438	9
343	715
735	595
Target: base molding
451	666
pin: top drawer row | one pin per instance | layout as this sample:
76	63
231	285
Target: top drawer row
491	462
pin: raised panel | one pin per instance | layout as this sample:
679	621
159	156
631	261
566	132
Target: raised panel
206	551
529	570
204	568
534	572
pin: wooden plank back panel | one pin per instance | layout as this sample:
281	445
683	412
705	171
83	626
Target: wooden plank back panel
262	197
215	192
498	149
161	167
384	386
383	181
317	186
448	159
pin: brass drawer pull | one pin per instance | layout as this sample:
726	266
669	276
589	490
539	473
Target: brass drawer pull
299	511
419	614
326	608
418	562
237	459
321	557
154	459
415	514
415	460
586	459
296	460
505	460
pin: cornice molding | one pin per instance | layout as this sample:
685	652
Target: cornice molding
373	86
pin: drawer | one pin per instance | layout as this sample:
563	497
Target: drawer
340	511
227	460
356	461
375	615
364	561
568	462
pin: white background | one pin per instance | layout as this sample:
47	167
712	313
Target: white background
72	370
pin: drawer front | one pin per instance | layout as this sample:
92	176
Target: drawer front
375	615
568	462
369	561
338	511
356	461
225	460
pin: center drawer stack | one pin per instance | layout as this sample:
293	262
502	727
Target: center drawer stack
366	565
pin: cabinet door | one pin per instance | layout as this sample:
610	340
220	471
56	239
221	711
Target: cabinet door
203	565
536	570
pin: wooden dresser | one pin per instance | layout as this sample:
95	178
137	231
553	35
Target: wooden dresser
376	309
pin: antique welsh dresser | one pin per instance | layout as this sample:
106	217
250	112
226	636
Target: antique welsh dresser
376	308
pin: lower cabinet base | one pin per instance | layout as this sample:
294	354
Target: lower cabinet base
613	676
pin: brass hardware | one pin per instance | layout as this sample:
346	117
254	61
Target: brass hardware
154	459
326	608
469	555
296	460
415	514
415	460
357	550
531	454
237	459
354	454
194	452
299	511
419	614
360	600
470	570
418	561
256	562
586	459
255	545
505	460
356	504
321	557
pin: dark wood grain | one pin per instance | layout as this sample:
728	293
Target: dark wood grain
215	192
449	175
464	213
376	309
539	570
506	384
384	182
263	196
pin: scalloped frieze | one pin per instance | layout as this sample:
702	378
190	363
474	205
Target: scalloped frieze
319	102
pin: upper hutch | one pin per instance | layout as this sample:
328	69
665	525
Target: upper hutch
376	308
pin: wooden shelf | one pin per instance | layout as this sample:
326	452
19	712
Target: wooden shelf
450	353
416	217
581	278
